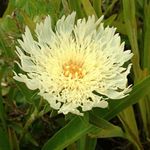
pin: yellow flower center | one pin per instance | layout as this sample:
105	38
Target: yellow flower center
73	69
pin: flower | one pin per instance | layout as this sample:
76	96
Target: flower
72	62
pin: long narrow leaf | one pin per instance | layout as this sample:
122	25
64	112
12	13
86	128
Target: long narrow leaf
107	128
4	142
88	8
68	134
131	29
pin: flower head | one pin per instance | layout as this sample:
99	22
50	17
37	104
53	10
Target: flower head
72	62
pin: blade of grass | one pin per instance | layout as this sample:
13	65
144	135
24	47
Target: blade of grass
68	134
91	143
108	129
81	143
4	142
131	29
127	117
146	35
76	6
110	20
88	8
2	110
110	7
130	134
14	143
97	4
145	103
5	45
2	114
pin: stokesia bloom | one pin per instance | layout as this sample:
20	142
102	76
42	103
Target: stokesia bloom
72	62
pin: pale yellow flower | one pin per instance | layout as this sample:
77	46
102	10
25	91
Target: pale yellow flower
69	63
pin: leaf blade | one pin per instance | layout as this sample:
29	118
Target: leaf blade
68	134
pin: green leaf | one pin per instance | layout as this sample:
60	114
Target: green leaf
146	36
2	113
29	95
68	134
91	143
76	6
110	20
97	4
2	110
5	41
31	139
129	12
110	7
120	27
86	143
88	8
14	143
140	2
129	123
28	21
107	129
4	142
81	143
